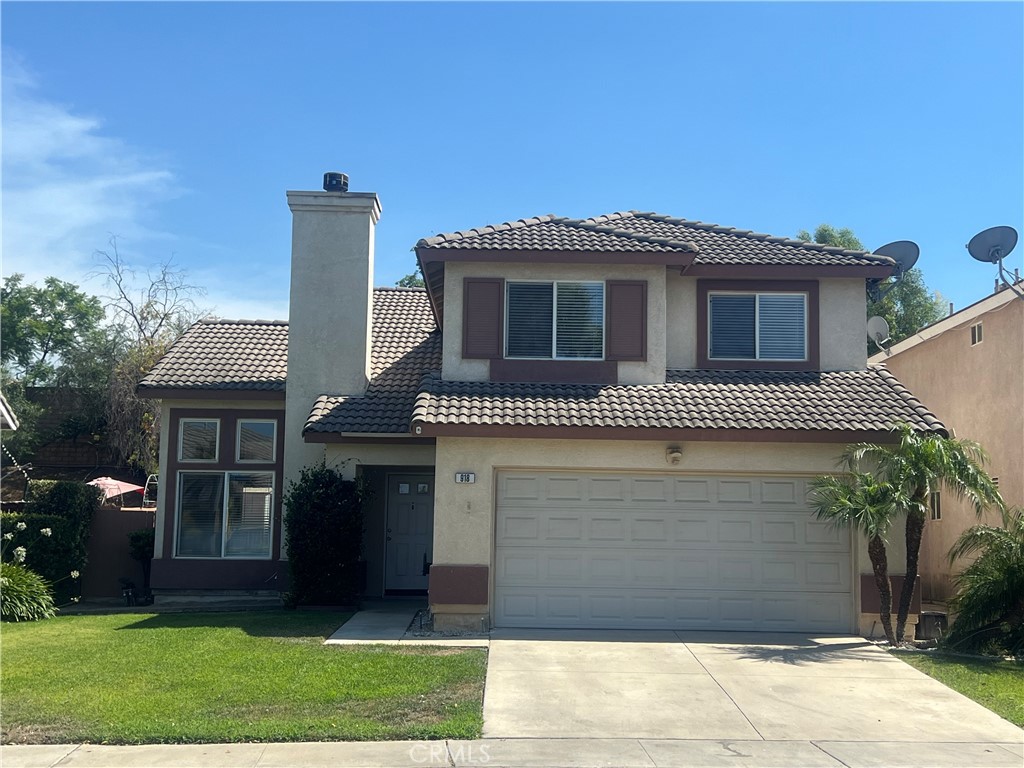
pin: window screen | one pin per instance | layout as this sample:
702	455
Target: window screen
732	327
781	332
530	315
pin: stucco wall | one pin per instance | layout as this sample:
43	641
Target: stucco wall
979	392
842	323
455	368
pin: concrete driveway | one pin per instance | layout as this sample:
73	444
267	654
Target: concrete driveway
840	695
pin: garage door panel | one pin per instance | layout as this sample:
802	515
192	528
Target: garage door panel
617	550
638	569
594	608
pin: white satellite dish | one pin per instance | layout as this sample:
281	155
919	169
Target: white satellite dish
878	332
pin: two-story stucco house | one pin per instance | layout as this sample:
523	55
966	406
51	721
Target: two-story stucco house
608	422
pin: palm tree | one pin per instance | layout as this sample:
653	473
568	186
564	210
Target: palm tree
918	464
990	591
860	502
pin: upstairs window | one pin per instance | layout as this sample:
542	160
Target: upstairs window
198	439
757	326
256	440
976	334
935	504
558	320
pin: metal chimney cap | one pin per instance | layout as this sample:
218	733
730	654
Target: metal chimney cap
335	182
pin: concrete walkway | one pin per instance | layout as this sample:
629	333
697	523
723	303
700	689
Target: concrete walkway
528	753
390	622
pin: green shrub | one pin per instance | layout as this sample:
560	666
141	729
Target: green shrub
66	509
990	591
324	537
53	557
24	595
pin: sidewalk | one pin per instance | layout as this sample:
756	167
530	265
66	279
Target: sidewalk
391	622
524	753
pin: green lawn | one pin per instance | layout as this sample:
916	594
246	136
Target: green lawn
217	677
996	684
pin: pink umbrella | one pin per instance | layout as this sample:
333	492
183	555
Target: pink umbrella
112	487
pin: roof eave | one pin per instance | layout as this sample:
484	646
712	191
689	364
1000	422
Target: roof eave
207	393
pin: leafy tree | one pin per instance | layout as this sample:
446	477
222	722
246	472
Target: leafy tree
990	591
915	466
908	307
860	502
826	234
40	326
412	280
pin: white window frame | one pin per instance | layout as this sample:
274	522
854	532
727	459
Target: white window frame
935	506
977	335
181	439
224	516
554	318
757	326
238	442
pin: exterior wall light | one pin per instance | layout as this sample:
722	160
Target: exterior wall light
673	454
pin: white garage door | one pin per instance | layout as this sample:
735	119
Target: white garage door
682	552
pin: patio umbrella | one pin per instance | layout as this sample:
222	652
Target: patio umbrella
112	487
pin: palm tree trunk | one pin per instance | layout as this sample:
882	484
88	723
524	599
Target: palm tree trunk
914	531
880	565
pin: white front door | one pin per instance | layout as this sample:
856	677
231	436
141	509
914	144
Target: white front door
660	551
409	532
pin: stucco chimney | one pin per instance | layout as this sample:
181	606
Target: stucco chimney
330	312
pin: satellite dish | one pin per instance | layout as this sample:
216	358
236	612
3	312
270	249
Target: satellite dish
992	246
904	252
878	331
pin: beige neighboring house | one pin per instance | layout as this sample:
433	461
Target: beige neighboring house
603	423
969	369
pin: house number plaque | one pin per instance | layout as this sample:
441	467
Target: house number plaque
465	477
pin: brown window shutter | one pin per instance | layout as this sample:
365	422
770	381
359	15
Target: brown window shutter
483	314
626	320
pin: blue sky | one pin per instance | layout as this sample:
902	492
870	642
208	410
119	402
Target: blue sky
178	127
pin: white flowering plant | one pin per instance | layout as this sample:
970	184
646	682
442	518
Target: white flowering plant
25	595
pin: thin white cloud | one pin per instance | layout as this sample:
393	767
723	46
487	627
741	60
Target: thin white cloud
67	186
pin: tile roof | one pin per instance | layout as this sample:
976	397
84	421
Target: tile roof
224	355
645	232
870	399
405	347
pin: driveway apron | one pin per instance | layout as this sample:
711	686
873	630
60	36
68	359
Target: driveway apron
720	686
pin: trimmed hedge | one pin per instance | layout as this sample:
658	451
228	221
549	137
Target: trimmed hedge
324	537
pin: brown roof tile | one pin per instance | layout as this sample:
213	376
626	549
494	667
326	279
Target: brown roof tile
405	347
224	355
645	232
866	400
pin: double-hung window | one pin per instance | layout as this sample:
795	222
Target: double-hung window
757	326
560	320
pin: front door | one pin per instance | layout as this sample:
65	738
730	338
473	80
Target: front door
410	532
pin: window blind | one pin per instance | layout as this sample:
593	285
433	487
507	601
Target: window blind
530	316
781	327
732	326
250	497
580	323
200	510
